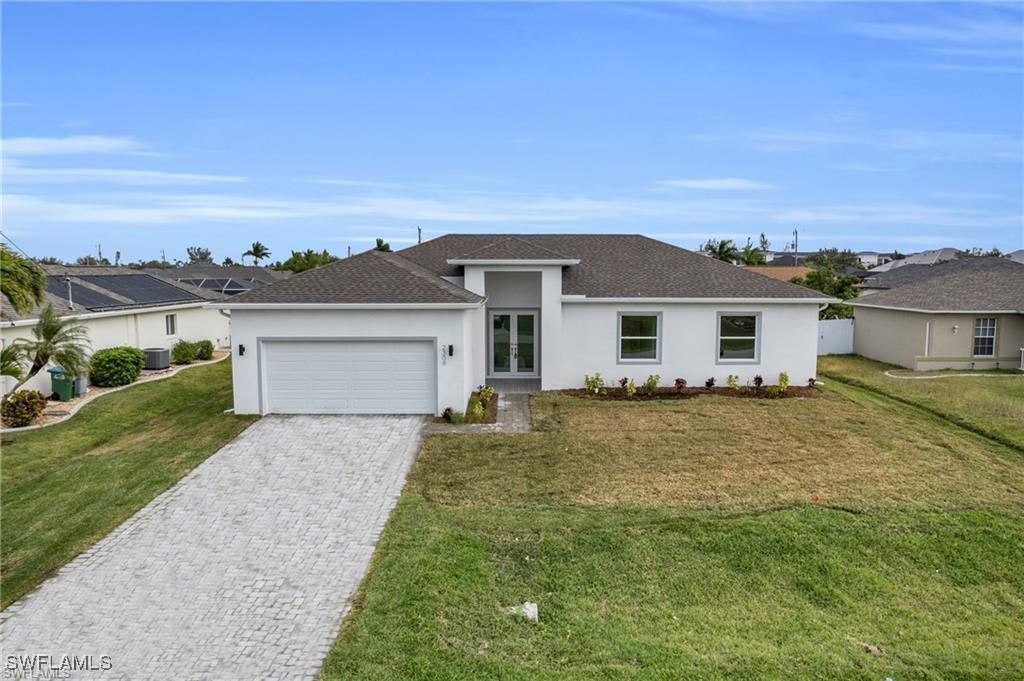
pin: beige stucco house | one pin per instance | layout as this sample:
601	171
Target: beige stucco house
961	320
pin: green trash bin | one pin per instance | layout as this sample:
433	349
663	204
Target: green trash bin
61	384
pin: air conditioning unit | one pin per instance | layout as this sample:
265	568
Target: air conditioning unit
157	358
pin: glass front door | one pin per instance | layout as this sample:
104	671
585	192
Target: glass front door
514	343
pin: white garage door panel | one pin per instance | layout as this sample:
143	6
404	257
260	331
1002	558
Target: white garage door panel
350	377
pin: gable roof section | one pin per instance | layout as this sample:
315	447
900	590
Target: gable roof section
991	290
373	277
511	248
620	266
911	274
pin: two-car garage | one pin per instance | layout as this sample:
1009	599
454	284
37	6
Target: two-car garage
350	376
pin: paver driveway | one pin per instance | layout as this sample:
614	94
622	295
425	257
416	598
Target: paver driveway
243	570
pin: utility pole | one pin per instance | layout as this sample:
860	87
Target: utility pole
99	251
163	255
796	241
349	251
419	234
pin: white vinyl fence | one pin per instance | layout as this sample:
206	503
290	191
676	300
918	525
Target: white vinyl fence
835	336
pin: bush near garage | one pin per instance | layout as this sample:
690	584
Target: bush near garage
112	367
183	352
22	408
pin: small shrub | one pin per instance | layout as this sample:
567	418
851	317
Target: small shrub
623	382
651	384
111	367
593	384
733	381
457	418
204	350
486	393
183	352
630	388
710	383
773	391
783	381
811	382
22	408
680	384
476	410
447	414
758	381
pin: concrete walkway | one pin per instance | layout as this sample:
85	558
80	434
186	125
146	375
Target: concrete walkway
243	570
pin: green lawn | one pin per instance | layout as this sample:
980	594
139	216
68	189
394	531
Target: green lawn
68	485
847	536
992	402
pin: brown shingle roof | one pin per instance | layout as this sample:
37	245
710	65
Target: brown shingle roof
621	266
511	248
979	290
373	277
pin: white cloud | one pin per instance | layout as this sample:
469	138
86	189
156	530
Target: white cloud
986	31
928	144
718	184
74	144
14	172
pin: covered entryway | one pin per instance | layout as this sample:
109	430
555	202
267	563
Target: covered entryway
350	377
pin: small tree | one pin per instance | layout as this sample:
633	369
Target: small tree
842	286
92	261
750	256
11	358
302	261
61	340
834	259
382	246
22	281
257	252
724	250
197	255
764	245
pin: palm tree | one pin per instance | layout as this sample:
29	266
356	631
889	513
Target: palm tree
258	252
10	361
382	246
724	250
749	255
61	340
21	281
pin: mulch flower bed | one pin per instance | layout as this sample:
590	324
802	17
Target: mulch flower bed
490	411
763	392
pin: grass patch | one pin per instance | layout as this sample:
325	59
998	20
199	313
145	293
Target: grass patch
991	404
841	537
68	485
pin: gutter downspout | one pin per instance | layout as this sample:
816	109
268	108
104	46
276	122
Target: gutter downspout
927	336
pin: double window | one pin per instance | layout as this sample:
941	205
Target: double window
639	338
171	324
984	337
738	337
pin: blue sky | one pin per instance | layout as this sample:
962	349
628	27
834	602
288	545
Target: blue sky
157	126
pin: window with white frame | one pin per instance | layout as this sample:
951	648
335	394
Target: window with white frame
985	337
738	337
171	324
639	337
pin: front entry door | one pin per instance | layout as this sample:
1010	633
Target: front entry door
514	343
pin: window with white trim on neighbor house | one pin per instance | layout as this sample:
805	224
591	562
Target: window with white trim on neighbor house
984	337
171	324
738	337
639	337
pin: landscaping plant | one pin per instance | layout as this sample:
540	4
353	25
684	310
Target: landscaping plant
758	381
651	384
630	388
22	408
112	367
183	352
680	384
456	418
447	414
623	382
204	350
476	410
593	384
486	393
811	382
710	383
783	381
733	381
60	340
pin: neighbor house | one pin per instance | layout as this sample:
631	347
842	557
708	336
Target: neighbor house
227	279
961	317
119	306
417	331
876	282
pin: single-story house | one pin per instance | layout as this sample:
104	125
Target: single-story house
416	331
967	318
930	257
876	282
119	306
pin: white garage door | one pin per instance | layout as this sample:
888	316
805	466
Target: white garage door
350	377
